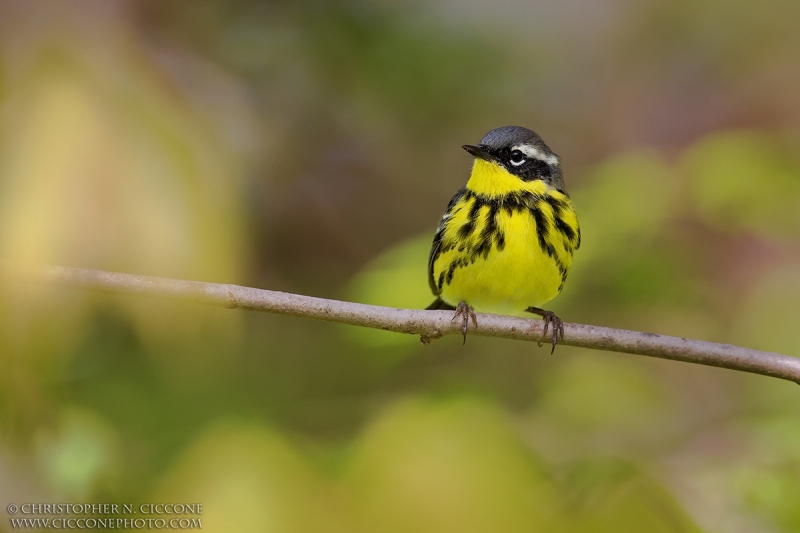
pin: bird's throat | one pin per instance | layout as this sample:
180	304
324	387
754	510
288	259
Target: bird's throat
492	180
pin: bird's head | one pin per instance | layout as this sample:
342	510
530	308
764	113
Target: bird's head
521	153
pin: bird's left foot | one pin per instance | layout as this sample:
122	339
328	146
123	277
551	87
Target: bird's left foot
550	319
465	311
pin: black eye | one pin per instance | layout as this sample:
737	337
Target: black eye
517	158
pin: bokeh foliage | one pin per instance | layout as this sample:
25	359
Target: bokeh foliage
312	147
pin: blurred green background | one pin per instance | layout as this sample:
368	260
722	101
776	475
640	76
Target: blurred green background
311	147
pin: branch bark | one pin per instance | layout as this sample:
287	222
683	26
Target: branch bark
427	324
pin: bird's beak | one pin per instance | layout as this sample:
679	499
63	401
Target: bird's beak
479	152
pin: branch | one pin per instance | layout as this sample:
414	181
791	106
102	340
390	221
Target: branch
427	324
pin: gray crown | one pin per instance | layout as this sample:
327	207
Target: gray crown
511	135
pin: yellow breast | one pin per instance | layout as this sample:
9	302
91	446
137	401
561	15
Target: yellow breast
505	244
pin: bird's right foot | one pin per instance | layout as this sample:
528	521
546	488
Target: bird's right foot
465	311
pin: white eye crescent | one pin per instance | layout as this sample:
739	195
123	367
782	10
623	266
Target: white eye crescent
532	151
517	158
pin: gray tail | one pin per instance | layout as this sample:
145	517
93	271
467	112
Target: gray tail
438	303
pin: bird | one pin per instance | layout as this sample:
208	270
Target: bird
505	243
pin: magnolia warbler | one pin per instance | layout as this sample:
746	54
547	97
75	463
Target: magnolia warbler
505	243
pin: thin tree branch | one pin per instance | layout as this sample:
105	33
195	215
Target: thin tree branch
426	324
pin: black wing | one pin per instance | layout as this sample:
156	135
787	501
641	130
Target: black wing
437	240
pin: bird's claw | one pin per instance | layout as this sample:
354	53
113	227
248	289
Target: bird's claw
549	318
465	311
